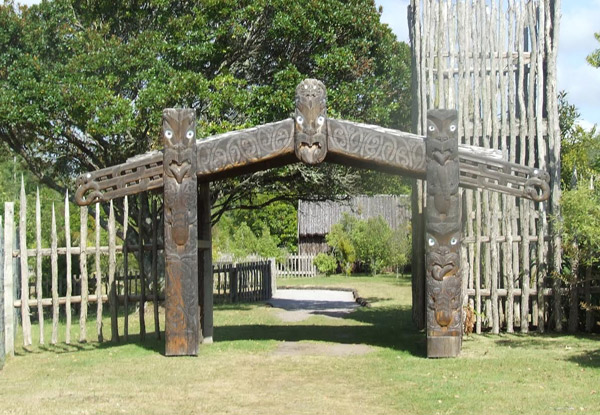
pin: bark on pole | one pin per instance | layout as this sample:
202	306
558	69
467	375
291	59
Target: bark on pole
443	236
182	320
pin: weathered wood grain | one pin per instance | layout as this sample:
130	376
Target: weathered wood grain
182	317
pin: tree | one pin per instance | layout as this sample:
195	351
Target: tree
594	58
83	84
400	248
340	240
371	239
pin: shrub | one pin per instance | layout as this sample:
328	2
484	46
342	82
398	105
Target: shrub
339	239
325	263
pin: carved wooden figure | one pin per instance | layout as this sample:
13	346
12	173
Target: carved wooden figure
443	236
182	318
310	121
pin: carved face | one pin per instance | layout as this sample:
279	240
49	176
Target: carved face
445	303
311	121
443	255
442	126
179	134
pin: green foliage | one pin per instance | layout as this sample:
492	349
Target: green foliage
567	116
339	239
400	248
280	218
594	58
371	239
371	242
325	263
83	84
580	149
240	241
581	224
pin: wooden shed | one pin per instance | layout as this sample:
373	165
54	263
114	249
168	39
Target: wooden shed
315	219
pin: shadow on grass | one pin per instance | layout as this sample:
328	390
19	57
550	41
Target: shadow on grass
588	359
539	340
384	327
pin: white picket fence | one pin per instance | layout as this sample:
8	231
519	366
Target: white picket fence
297	266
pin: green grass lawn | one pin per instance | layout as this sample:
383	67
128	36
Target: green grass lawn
242	373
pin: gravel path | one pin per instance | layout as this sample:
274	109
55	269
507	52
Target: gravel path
298	305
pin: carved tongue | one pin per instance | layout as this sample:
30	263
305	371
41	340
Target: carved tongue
440	272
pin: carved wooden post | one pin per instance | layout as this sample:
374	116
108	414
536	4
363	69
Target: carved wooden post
443	236
311	121
205	275
181	233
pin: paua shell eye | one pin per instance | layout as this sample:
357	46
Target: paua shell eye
299	119
453	128
431	127
168	134
431	242
189	135
453	241
321	120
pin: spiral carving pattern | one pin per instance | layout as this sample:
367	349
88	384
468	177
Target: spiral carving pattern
385	147
243	147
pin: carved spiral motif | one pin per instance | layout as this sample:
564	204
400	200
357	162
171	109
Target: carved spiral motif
245	146
373	143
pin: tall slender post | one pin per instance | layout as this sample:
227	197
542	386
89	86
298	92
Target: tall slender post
9	310
2	347
443	236
205	274
25	319
182	318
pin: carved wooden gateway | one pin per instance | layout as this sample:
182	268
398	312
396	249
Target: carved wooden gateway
312	138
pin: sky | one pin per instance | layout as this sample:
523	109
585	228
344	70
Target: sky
580	20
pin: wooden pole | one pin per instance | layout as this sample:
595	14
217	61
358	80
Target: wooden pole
112	263
2	326
68	310
83	273
418	227
155	267
141	203
443	236
98	277
25	319
205	263
38	257
8	310
54	266
182	319
126	267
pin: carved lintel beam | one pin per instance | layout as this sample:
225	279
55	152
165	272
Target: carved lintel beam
222	155
311	138
443	283
182	316
310	122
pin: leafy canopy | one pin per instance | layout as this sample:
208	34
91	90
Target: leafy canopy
83	83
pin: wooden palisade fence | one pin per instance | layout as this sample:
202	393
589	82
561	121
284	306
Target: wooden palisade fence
495	61
112	282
